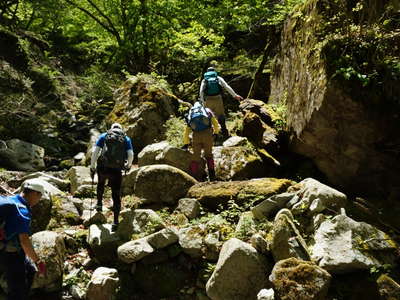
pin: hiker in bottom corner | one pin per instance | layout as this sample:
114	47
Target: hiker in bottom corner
203	123
17	254
113	153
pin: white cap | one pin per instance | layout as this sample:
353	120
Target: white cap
34	185
116	125
197	104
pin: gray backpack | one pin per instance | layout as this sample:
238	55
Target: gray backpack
113	154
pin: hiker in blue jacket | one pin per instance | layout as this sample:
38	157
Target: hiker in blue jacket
113	153
17	254
211	95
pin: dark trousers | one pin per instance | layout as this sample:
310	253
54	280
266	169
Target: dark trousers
19	274
114	177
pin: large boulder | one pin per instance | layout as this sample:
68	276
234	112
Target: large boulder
142	105
341	95
103	284
21	156
240	273
163	153
343	245
313	197
151	183
59	183
295	279
211	195
103	243
237	163
51	249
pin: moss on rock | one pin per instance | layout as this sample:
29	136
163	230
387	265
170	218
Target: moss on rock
213	194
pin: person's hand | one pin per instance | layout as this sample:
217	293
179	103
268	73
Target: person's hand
92	172
127	167
238	97
185	147
41	266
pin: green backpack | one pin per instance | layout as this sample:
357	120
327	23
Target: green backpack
212	84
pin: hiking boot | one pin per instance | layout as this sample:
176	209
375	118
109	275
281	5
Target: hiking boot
114	227
99	208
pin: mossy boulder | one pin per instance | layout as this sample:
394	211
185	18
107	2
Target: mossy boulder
337	75
213	194
143	104
162	184
388	288
238	163
301	280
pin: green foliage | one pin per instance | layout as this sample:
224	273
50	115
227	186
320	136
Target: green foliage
234	122
144	35
377	271
232	212
206	271
80	278
278	114
175	127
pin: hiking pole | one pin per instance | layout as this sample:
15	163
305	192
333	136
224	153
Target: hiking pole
91	201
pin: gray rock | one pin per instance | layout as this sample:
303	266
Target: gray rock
265	294
343	245
103	284
212	246
191	240
128	182
50	248
286	239
104	243
227	282
21	156
235	141
134	251
163	153
138	221
59	183
315	197
90	217
190	207
260	243
162	238
329	123
271	205
78	176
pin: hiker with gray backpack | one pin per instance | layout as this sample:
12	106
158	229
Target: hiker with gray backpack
211	95
202	122
113	153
